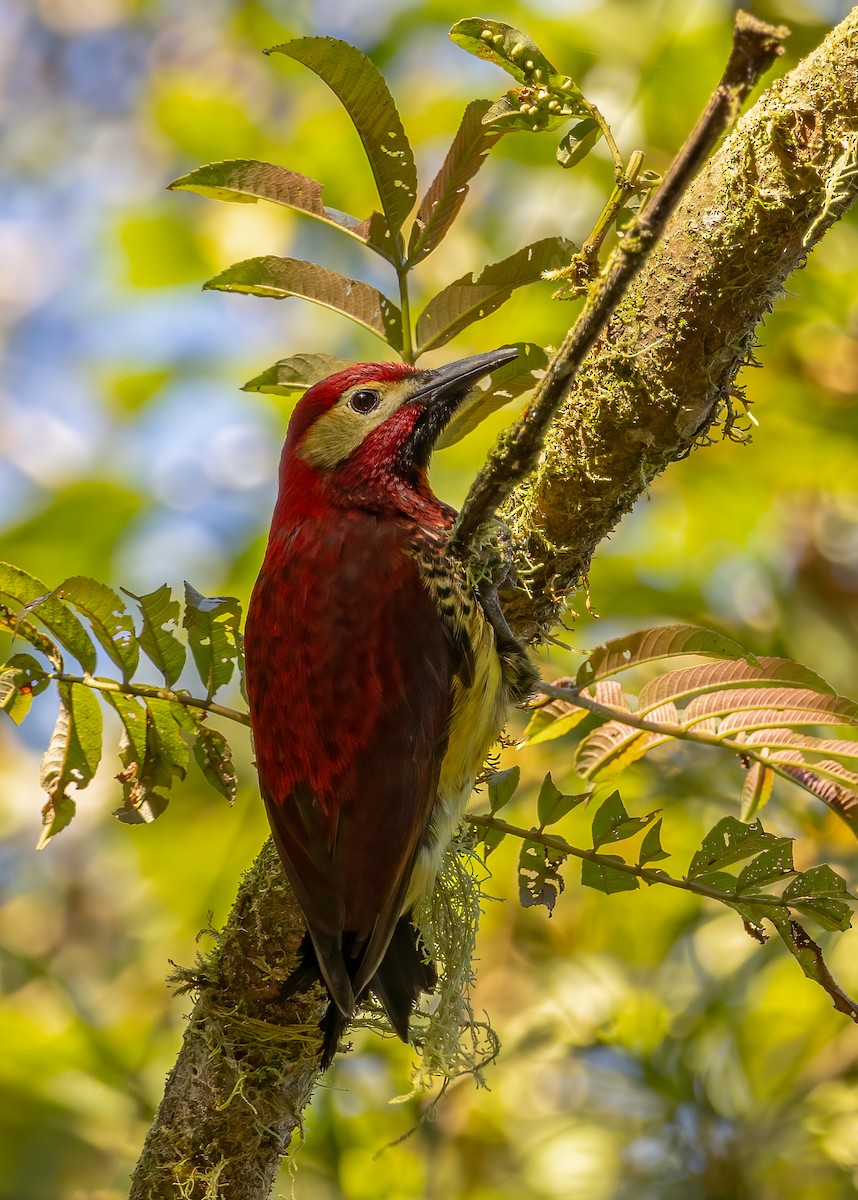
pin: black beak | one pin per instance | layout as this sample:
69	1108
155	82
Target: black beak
440	393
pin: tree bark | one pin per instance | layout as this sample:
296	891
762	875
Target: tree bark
657	379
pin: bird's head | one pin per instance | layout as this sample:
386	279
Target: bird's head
366	434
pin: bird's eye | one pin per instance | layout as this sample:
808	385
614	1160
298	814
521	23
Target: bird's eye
364	401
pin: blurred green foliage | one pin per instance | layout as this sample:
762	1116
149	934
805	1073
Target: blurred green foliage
650	1049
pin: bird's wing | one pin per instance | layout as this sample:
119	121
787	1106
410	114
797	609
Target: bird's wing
350	696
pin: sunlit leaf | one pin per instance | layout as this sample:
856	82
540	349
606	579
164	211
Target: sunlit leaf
213	624
281	278
608	750
756	790
21	678
448	190
712	677
246	181
37	601
110	620
142	767
71	758
19	627
292	376
546	724
768	867
649	645
360	86
798	706
160	613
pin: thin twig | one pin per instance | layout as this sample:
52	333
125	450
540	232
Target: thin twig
755	47
153	693
484	821
670	729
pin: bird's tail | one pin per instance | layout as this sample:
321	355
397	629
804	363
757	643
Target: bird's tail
401	976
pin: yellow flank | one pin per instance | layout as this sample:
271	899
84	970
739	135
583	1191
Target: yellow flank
478	713
339	432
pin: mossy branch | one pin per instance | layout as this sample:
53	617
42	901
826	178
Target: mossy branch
755	47
653	383
664	365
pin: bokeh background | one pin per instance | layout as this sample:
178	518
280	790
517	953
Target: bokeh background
650	1049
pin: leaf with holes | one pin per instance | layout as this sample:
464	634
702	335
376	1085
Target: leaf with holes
448	190
38	601
361	88
468	299
502	786
71	758
281	278
810	958
501	387
143	768
110	620
767	868
21	678
160	613
822	894
292	376
611	822
214	756
14	623
213	624
730	841
606	878
650	645
246	181
539	879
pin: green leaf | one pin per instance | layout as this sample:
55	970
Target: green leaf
246	181
281	278
15	624
651	849
143	768
546	724
448	190
611	822
213	753
491	839
36	598
809	957
539	880
166	721
468	299
71	758
822	894
213	625
649	645
513	112
292	376
730	841
605	878
21	678
160	613
512	51
767	868
502	386
110	620
552	805
502	787
578	142
756	790
360	86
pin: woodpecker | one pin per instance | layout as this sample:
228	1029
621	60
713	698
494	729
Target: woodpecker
377	679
